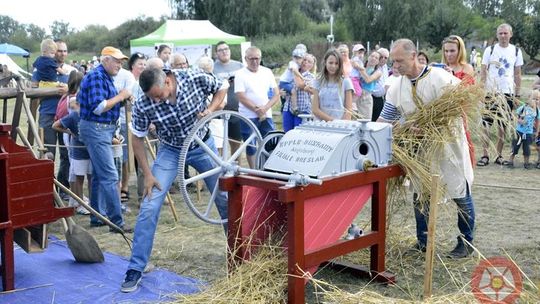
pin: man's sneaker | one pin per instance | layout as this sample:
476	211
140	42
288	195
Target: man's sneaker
131	282
126	228
461	251
81	210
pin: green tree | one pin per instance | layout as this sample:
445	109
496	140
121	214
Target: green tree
8	26
61	29
131	29
91	39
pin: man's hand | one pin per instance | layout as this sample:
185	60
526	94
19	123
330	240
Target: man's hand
204	113
124	94
149	183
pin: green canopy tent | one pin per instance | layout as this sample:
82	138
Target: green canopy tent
194	38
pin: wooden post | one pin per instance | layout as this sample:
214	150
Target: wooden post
169	198
430	246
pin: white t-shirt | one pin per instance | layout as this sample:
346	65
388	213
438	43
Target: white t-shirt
124	80
288	75
256	87
500	75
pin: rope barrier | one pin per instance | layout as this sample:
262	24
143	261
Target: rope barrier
505	187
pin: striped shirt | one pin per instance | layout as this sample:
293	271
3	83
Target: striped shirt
96	87
174	122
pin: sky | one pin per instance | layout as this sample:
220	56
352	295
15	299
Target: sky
79	14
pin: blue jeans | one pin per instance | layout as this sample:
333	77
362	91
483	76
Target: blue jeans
165	169
290	121
104	197
465	222
264	127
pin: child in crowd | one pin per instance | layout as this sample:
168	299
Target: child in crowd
286	80
357	62
46	65
117	142
332	93
79	159
528	120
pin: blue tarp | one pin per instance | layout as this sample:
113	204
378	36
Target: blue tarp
54	277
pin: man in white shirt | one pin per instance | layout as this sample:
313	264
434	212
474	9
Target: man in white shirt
454	164
501	74
257	91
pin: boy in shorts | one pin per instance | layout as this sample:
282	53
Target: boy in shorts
78	154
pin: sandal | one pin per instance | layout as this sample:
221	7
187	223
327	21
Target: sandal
124	196
538	165
499	160
527	166
484	161
507	163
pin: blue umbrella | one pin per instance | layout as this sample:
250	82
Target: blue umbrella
10	49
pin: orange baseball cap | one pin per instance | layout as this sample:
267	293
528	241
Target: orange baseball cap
113	52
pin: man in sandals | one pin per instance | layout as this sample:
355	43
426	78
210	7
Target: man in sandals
501	74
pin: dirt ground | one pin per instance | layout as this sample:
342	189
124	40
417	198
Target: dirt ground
506	201
507	224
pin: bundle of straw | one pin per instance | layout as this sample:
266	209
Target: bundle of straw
419	141
263	279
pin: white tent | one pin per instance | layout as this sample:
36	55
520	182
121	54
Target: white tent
193	38
12	66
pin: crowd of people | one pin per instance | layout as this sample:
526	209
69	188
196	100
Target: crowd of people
164	96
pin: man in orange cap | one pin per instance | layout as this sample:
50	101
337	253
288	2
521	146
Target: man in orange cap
100	108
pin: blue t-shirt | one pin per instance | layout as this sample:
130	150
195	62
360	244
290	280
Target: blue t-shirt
48	105
71	122
46	68
369	87
529	115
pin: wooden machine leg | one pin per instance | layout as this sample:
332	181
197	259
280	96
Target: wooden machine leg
7	267
296	258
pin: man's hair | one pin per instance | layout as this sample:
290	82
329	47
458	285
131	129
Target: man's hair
253	49
220	43
154	63
505	25
48	45
151	77
206	64
407	45
176	57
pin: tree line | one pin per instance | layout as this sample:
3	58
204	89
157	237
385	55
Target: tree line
307	21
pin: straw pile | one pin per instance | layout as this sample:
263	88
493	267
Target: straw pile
419	142
263	279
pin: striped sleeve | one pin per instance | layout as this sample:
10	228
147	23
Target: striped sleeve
390	112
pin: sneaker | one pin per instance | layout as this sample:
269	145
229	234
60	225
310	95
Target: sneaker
132	280
125	228
95	225
82	211
72	202
461	251
528	166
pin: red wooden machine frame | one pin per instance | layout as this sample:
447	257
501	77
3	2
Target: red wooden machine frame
26	202
315	217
